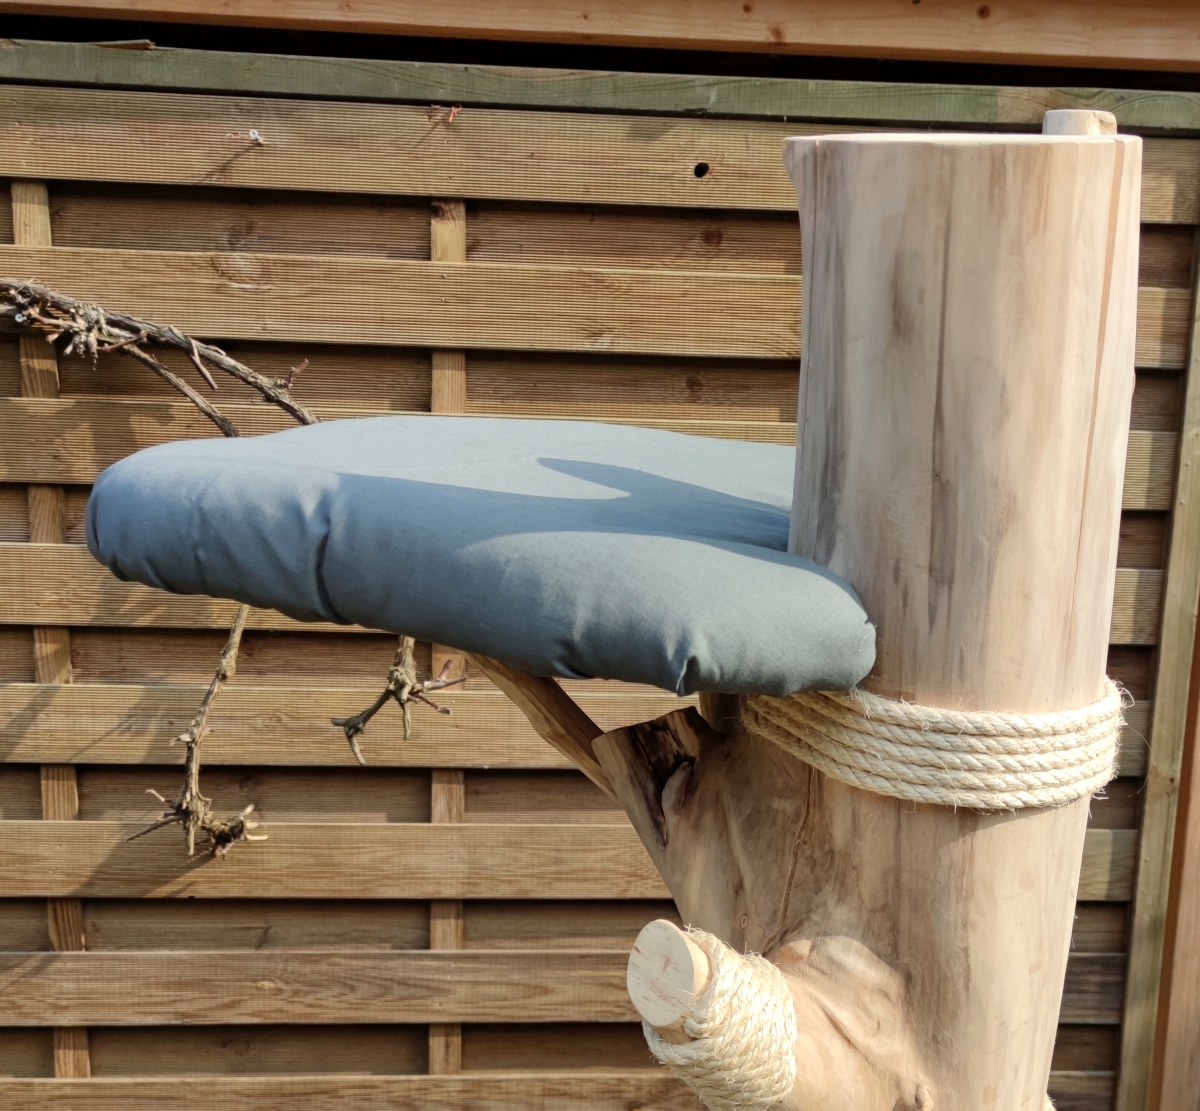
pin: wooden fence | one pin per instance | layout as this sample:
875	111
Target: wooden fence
448	927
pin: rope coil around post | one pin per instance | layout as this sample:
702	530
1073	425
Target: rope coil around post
975	759
741	1056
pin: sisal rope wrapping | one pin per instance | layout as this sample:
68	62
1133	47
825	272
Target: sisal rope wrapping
742	1053
975	759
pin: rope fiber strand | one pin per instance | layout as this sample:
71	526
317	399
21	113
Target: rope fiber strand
742	1052
974	759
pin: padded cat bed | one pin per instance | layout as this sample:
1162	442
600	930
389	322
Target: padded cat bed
565	548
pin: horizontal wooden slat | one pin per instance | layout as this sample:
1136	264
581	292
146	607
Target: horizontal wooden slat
240	986
376	925
1093	991
494	306
63	585
502	1091
176	218
1170	181
71	440
331	146
125	724
326	986
399	301
1135	739
71	588
387	861
1149	470
1082	1090
287	726
1108	865
331	860
1112	34
1164	321
1137	606
530	87
169	138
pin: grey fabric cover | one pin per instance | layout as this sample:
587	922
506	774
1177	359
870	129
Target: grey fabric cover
566	548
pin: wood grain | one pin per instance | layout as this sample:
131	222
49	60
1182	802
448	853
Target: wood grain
485	305
1109	35
71	134
66	134
72	1056
178	218
71	588
1175	1081
1168	730
296	987
448	801
448	244
51	645
133	989
582	1090
215	925
67	587
331	860
60	802
553	714
661	238
922	103
1137	606
923	479
43	440
282	726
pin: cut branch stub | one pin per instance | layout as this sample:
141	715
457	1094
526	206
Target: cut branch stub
667	972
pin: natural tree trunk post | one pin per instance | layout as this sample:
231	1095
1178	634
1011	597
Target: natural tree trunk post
969	305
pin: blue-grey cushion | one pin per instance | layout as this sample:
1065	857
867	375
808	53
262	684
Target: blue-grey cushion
567	548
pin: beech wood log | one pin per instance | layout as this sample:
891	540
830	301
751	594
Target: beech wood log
968	313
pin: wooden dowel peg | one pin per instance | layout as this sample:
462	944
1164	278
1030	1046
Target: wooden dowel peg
1078	121
667	971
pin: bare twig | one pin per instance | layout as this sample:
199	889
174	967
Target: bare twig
95	331
211	411
190	808
402	685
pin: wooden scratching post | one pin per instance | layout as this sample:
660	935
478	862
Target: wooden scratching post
905	860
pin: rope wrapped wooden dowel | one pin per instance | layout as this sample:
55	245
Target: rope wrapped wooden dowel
976	759
736	1030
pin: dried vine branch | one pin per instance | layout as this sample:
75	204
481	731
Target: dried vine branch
402	685
93	331
190	808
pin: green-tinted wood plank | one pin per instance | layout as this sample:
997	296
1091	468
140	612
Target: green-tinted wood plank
449	83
